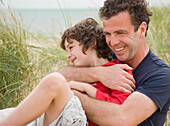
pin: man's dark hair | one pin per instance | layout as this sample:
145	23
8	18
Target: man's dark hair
89	34
138	10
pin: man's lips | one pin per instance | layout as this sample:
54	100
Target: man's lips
120	49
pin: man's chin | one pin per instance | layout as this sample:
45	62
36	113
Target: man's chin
121	59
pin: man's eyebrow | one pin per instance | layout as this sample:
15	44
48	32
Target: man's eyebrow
121	31
117	31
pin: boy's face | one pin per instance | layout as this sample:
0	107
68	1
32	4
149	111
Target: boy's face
77	57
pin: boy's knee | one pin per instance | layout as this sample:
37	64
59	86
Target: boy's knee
54	82
56	77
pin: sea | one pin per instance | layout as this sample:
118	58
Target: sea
58	20
52	20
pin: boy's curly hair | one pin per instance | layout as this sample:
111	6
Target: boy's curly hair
138	10
89	34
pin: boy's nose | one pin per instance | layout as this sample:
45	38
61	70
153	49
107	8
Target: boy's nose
68	55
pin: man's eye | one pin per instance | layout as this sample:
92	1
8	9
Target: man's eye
120	33
107	34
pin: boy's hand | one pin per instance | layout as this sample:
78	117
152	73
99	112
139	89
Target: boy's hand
83	87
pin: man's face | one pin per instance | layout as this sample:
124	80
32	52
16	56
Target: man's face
121	38
77	57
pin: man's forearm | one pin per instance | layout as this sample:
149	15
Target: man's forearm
111	114
82	74
114	77
100	112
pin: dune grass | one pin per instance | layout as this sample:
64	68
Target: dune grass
15	67
26	58
159	33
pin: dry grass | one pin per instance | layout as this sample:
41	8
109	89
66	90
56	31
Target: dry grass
25	59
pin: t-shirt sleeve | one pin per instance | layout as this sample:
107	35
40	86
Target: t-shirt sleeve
157	86
114	97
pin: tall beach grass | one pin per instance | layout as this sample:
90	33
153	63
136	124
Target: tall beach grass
25	58
159	33
15	67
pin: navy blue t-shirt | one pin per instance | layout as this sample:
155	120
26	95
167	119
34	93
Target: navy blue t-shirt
152	78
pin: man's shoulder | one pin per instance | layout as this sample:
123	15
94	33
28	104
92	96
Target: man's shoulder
151	63
151	69
157	66
156	60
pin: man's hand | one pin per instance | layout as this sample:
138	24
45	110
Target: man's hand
83	87
116	77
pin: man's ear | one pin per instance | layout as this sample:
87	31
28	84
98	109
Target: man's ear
142	30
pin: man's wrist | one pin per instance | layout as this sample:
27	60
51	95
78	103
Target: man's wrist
94	73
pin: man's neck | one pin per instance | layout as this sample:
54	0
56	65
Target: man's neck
140	55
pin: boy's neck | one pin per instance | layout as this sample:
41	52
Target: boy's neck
99	62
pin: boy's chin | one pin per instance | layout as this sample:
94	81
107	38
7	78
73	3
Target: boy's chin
80	65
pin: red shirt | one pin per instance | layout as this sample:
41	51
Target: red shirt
106	94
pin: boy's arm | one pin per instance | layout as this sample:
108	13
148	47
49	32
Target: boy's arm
83	87
96	93
114	77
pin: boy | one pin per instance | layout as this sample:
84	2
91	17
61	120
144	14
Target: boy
85	45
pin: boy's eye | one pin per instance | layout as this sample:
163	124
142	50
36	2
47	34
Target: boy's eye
71	47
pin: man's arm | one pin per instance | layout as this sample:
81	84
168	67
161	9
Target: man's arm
114	77
136	108
81	74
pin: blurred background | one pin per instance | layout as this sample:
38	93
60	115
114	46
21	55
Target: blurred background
30	32
56	15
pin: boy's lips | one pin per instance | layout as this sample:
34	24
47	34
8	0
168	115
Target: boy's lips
72	60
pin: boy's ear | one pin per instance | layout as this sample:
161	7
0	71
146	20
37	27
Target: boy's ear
142	30
94	43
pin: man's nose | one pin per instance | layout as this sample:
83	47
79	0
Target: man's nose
113	41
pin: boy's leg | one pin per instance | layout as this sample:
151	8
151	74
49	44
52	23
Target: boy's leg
43	97
58	104
5	112
72	115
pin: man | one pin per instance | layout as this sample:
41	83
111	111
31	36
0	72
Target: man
125	25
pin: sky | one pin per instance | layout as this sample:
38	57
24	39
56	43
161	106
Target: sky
46	4
53	4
